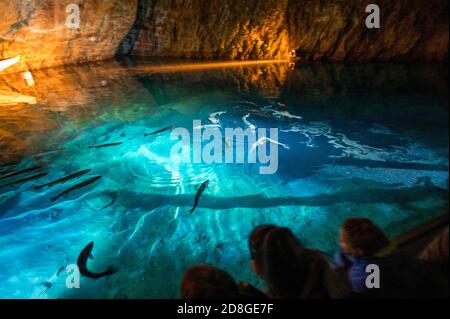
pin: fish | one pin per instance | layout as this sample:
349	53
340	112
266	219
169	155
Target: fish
15	173
199	193
287	114
113	200
4	172
47	285
105	145
168	128
9	164
82	264
264	139
212	117
60	270
249	125
40	155
63	179
76	187
27	179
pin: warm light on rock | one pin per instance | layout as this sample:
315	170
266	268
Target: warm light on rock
28	77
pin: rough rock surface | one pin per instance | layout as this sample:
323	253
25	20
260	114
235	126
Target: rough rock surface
336	30
251	29
36	30
223	29
270	29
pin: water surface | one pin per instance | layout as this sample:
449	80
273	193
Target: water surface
364	140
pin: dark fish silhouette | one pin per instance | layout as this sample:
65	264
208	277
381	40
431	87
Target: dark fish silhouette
40	156
161	130
105	145
64	179
82	264
199	193
76	187
27	170
60	270
113	200
47	284
24	180
4	172
9	164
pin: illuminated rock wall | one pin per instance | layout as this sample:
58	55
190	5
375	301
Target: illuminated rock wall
223	29
37	30
250	29
336	30
270	29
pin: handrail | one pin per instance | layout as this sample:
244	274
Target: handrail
421	230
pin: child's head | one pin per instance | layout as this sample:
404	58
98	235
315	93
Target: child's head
208	282
360	237
279	258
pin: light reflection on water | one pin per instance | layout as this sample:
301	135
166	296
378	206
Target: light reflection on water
364	141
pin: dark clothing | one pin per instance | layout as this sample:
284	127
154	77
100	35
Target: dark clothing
401	276
436	253
321	281
247	291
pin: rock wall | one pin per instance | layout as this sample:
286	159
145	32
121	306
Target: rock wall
270	29
335	30
223	29
213	29
36	30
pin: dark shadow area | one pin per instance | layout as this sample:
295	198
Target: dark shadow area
132	200
127	44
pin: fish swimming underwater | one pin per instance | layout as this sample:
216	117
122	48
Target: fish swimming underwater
265	139
113	200
82	260
24	180
26	170
287	114
76	187
249	125
47	286
64	179
105	145
3	166
56	151
161	130
212	117
199	193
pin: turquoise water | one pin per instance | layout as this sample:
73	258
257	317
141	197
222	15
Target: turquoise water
364	140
